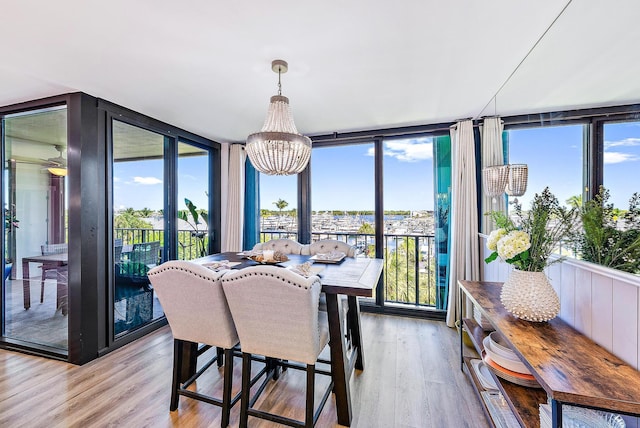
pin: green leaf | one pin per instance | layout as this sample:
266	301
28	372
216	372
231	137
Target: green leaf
492	257
192	209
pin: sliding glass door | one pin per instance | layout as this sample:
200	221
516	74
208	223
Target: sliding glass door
193	172
35	282
138	224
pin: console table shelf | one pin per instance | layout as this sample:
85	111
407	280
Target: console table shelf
570	368
522	400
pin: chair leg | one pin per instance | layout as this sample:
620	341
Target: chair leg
175	383
246	380
311	377
228	383
42	288
220	353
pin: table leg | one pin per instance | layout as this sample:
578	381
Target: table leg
339	361
26	285
355	330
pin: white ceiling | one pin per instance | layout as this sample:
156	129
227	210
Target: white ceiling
205	65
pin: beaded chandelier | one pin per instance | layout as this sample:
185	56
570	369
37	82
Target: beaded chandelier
278	149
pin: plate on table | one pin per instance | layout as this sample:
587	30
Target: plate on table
220	265
508	361
332	257
484	375
306	269
248	254
511	376
259	258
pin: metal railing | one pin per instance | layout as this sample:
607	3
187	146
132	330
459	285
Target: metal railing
409	260
189	241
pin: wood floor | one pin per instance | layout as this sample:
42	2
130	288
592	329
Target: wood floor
412	378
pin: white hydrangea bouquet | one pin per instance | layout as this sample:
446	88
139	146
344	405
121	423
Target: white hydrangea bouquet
527	242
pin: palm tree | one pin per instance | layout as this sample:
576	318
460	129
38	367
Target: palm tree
280	204
574	201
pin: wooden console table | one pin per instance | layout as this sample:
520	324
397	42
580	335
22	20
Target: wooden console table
570	367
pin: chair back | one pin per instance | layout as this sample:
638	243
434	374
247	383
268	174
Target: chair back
276	312
49	249
147	253
286	246
194	303
328	245
117	249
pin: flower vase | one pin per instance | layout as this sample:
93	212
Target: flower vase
530	296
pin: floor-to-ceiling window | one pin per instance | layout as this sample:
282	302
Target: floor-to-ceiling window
193	174
138	222
35	287
278	207
409	246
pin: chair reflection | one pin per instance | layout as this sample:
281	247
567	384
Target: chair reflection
133	295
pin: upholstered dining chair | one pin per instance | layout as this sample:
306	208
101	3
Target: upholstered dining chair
193	301
324	246
51	271
286	246
276	313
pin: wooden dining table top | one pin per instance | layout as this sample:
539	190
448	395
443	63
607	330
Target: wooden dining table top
58	257
353	276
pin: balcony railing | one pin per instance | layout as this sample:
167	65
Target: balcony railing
410	260
188	240
410	268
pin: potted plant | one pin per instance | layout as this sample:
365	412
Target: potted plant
526	242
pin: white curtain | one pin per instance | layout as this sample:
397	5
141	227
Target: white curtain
492	154
463	250
232	232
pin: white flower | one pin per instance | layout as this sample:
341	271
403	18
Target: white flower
494	237
512	244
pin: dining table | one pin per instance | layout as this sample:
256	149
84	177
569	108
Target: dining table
352	277
49	261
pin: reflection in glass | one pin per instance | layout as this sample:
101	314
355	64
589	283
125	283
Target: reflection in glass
554	158
138	201
621	161
35	209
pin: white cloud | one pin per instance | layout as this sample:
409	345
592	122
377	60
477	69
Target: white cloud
406	150
116	179
627	142
147	180
618	157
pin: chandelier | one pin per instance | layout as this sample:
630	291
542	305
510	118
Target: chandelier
278	149
509	179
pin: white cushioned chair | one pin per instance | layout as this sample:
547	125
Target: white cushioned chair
286	246
56	272
325	246
193	301
276	314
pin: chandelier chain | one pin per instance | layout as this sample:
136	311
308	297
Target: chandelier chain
279	84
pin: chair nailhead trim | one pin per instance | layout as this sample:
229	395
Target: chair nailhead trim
166	268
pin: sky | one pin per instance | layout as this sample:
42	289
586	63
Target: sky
554	156
140	184
342	177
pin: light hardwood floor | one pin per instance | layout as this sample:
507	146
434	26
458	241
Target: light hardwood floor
412	378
